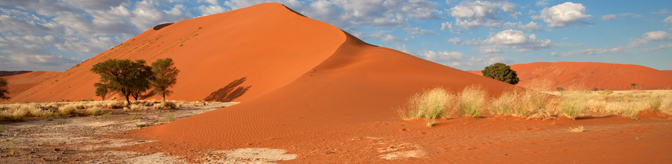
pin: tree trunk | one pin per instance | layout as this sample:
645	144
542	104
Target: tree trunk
128	102
163	98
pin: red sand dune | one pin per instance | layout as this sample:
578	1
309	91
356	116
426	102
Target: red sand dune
22	82
588	75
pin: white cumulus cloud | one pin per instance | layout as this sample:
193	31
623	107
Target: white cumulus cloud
563	15
519	40
475	14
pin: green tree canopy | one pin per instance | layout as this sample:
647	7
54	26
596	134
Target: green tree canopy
101	90
4	91
501	72
165	74
123	76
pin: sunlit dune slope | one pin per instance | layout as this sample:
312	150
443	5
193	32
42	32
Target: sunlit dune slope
267	45
22	82
589	75
358	84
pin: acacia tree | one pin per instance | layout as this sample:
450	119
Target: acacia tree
501	72
123	76
165	76
4	91
101	90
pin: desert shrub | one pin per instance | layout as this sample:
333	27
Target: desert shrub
34	109
95	111
80	105
107	115
114	104
169	117
577	129
501	72
48	116
14	114
132	117
157	106
67	109
52	105
594	89
536	104
560	89
428	104
135	107
608	91
626	108
506	103
472	101
572	107
126	109
666	105
655	102
169	105
4	91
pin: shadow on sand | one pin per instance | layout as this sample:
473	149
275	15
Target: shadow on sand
230	92
158	27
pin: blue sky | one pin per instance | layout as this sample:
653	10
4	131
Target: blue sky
54	35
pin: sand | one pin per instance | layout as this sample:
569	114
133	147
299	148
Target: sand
589	75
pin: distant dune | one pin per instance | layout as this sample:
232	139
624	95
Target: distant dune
588	75
10	73
22	82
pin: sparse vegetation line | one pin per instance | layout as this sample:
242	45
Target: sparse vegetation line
534	104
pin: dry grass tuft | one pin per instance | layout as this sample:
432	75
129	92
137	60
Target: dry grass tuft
95	111
67	109
472	101
577	129
573	104
430	104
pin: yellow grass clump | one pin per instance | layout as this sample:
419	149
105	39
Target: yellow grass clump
67	109
472	100
95	111
430	105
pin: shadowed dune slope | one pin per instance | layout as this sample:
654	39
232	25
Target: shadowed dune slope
10	73
22	82
588	75
357	85
266	44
